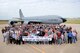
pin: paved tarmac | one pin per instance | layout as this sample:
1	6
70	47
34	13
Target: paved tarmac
33	48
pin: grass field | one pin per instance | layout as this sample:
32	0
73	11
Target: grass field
69	21
73	21
3	21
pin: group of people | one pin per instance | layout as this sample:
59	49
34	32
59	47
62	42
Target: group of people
59	33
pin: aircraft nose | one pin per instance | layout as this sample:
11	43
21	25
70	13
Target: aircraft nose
63	19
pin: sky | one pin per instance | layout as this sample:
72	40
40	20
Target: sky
64	8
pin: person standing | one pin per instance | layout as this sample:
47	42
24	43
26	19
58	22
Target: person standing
65	37
76	34
74	37
59	37
7	37
4	36
3	33
10	37
55	38
62	38
70	35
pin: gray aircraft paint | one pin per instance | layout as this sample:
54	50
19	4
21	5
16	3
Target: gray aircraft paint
49	19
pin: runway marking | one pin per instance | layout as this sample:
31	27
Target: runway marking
42	51
42	48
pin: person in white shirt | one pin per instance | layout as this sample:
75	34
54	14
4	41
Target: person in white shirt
62	37
74	36
7	37
4	36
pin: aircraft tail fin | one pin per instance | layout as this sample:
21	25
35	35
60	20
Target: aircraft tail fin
21	14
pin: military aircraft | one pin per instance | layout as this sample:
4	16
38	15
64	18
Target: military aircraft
48	19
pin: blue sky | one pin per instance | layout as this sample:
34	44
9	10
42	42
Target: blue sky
64	8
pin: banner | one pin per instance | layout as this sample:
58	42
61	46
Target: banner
36	38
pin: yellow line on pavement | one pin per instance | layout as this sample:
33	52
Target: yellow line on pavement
37	49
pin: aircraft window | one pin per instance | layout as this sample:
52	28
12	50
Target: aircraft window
53	19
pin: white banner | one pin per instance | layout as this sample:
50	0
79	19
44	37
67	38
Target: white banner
36	38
